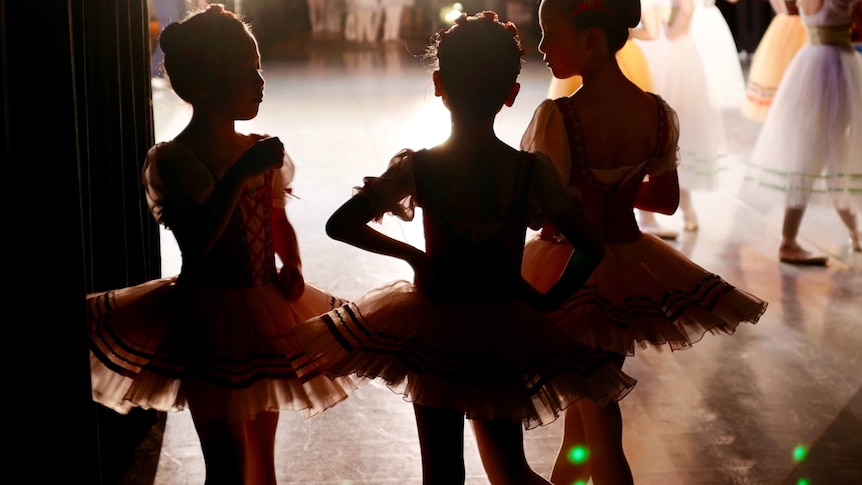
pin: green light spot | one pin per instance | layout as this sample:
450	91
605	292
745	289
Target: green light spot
803	481
579	455
580	482
799	453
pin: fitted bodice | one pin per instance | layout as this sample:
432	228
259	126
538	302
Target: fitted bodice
477	260
610	194
243	255
832	13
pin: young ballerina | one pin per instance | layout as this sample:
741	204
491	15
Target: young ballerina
216	338
465	339
810	147
681	79
606	139
634	65
714	40
783	38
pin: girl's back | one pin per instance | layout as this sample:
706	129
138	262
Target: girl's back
475	218
621	125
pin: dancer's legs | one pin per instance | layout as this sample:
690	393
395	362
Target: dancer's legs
790	250
220	445
441	442
689	216
572	464
603	428
259	449
501	446
848	217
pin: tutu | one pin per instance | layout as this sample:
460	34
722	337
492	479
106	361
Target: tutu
508	359
681	79
810	145
783	38
219	332
148	339
479	347
719	55
643	294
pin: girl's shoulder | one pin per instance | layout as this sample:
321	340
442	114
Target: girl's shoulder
171	168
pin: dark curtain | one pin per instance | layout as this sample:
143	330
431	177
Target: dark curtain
77	121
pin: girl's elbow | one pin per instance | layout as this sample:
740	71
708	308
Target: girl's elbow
334	229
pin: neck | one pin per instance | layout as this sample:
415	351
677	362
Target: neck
210	129
472	132
606	75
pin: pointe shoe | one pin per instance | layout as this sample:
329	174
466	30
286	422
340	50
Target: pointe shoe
689	219
801	257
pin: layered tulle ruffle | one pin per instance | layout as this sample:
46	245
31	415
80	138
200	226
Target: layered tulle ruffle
156	344
495	360
643	294
810	146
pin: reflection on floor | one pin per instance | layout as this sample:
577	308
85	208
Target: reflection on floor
733	410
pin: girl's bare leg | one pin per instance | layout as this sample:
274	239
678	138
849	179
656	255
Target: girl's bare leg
501	446
689	216
259	449
848	217
572	464
603	427
790	250
441	442
220	445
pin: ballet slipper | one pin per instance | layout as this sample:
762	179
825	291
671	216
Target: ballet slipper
689	219
798	256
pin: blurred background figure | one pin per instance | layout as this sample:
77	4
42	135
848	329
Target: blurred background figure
719	54
393	13
362	24
681	79
317	15
784	36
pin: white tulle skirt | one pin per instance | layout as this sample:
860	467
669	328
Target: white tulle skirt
721	59
810	146
681	80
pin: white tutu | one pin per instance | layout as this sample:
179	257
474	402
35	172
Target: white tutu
719	55
810	146
682	81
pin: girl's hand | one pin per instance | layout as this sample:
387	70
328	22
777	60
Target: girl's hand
265	154
291	281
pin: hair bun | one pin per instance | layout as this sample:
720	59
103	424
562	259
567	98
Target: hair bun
628	12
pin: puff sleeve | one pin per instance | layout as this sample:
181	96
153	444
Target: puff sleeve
546	133
668	157
393	192
174	177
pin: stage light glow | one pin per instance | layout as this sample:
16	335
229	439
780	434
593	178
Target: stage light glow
799	453
579	454
448	14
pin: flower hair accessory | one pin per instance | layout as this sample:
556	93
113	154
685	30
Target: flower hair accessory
588	5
